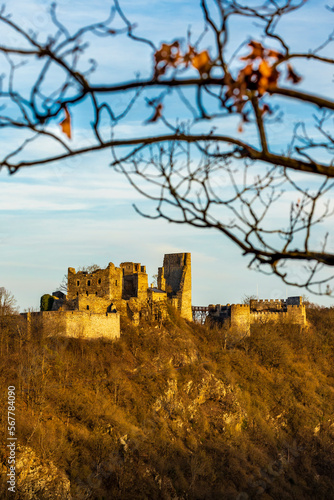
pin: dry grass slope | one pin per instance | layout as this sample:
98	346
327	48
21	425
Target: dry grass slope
175	412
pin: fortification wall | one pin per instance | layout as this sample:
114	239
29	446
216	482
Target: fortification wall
85	325
76	324
267	305
267	316
294	314
240	317
297	314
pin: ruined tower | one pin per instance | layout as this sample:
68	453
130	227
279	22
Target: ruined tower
175	278
98	291
135	281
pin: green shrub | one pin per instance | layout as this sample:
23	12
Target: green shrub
47	302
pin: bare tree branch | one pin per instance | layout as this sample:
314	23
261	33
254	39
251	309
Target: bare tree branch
232	179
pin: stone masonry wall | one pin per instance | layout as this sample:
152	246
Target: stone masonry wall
135	281
184	293
76	324
94	304
240	317
267	305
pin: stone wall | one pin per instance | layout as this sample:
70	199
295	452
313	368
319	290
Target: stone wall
135	281
104	283
76	324
296	314
267	305
157	301
94	304
240	317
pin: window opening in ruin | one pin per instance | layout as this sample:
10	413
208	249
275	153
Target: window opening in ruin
87	293
87	307
116	283
77	293
88	282
99	282
95	293
78	283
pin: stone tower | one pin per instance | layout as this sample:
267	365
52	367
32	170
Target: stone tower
96	292
175	278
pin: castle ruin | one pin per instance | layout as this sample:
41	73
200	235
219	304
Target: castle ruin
96	300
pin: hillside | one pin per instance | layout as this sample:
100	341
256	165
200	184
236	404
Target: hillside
173	411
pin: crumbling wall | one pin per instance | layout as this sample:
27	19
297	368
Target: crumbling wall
104	283
94	304
157	302
135	281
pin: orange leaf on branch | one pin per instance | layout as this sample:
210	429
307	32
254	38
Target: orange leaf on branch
202	62
66	124
258	76
265	68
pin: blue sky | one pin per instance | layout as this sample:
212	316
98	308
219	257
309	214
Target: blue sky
80	212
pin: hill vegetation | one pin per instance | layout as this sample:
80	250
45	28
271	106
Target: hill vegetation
173	411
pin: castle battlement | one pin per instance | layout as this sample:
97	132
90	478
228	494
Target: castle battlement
243	315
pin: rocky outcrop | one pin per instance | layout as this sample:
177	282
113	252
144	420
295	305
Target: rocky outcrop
38	479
